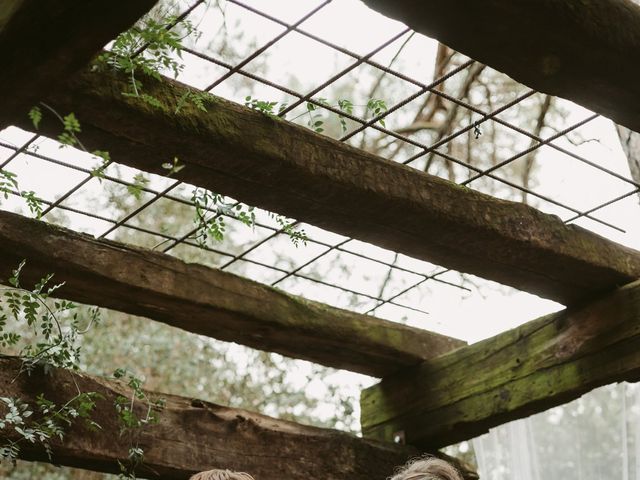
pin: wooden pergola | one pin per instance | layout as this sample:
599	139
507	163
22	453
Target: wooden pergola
434	390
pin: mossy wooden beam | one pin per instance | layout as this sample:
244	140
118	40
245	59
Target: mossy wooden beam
194	435
44	42
576	49
270	163
527	370
211	302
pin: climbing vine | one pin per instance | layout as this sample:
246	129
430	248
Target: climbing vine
44	334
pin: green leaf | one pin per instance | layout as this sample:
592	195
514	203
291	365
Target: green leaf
140	182
35	115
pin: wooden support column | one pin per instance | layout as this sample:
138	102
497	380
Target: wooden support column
270	163
544	363
44	42
194	435
211	302
579	50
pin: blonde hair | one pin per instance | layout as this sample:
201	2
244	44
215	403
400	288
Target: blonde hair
427	468
221	475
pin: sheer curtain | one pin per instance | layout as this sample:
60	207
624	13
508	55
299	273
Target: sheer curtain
596	437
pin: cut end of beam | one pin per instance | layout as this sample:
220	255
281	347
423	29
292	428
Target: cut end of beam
530	369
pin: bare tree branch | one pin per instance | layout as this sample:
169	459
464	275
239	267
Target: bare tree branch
545	106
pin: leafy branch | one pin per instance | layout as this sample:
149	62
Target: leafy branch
55	328
314	111
211	210
147	49
9	185
131	423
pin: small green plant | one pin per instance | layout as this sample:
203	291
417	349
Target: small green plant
131	423
210	211
268	108
347	107
316	121
56	341
35	115
98	171
33	202
377	107
314	111
54	327
9	185
140	182
55	346
290	228
173	167
43	421
196	97
147	49
71	126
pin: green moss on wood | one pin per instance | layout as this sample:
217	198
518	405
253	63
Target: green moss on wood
529	369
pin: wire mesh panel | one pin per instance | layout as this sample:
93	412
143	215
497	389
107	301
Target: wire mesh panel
345	72
349	73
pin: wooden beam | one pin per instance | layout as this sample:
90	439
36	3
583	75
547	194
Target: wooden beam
44	42
267	162
194	435
211	302
527	370
574	49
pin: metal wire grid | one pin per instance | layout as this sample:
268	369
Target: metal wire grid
170	241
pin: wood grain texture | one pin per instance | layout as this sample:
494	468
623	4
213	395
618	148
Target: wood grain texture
44	42
288	169
194	435
211	302
582	50
544	363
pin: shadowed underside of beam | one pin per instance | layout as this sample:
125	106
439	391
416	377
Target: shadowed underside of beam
527	370
291	170
585	51
211	302
43	42
194	435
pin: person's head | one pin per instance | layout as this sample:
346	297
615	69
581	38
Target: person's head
427	468
221	475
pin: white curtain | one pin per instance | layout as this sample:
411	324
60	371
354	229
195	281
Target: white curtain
596	437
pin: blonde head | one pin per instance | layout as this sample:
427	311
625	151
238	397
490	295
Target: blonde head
221	475
427	468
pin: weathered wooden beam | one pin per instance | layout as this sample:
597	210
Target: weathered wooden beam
285	168
194	435
527	370
211	302
44	42
570	48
